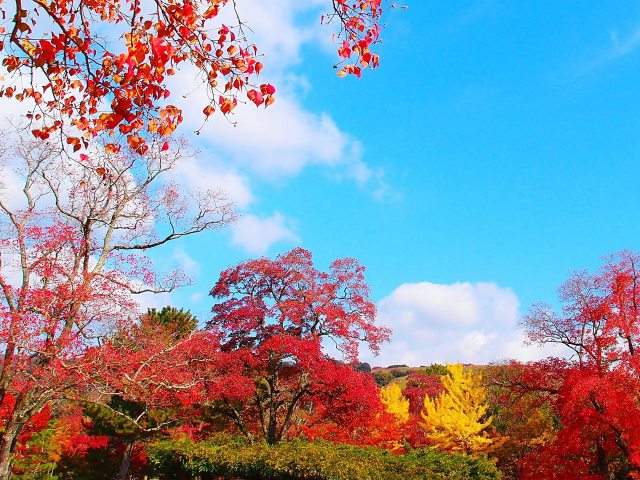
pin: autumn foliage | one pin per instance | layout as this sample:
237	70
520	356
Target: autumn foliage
594	395
102	66
87	380
457	419
72	258
395	402
85	385
275	314
89	384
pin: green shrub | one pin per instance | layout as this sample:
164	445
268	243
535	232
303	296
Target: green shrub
233	458
382	377
434	369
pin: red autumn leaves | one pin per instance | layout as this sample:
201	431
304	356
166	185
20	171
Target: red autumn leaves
275	314
98	83
264	96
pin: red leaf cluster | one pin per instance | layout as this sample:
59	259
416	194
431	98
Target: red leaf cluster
104	63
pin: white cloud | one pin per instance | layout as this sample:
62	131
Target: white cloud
207	174
276	142
11	185
283	139
149	300
281	27
279	141
460	322
257	235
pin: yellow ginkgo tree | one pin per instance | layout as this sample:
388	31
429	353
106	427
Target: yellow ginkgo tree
395	402
456	420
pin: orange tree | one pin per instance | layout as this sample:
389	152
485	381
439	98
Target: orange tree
523	418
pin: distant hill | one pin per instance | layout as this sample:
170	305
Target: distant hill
399	373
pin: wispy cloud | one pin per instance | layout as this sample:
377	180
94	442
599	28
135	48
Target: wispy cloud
623	46
619	46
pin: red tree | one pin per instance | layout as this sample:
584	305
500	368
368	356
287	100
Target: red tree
597	394
277	313
158	374
521	397
71	255
51	436
419	385
73	58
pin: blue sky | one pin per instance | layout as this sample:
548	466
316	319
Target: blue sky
494	151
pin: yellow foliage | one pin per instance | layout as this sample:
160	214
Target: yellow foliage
454	420
395	402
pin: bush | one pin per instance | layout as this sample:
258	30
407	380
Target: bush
435	369
232	457
397	373
382	377
362	367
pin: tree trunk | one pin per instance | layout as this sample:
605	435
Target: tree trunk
603	465
123	473
272	429
7	443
